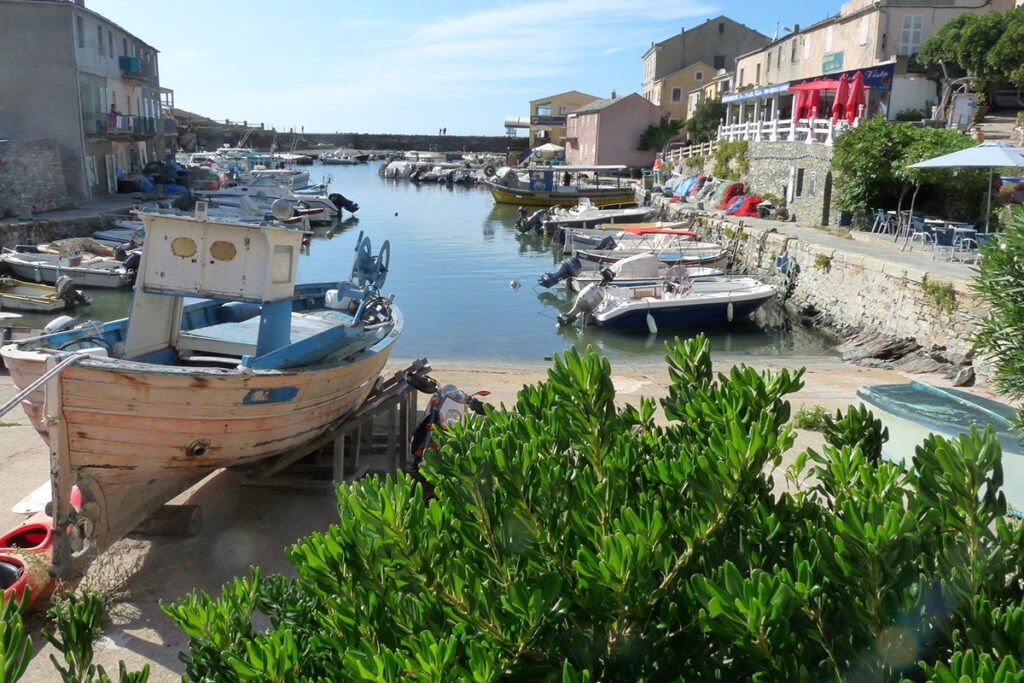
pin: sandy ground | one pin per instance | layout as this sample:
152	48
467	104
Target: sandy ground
244	525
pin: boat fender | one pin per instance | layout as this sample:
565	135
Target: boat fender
652	326
728	312
537	185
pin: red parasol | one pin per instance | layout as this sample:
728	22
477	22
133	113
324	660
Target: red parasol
799	97
856	98
809	96
813	103
839	104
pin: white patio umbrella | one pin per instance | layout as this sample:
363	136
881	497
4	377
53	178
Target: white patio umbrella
991	154
548	147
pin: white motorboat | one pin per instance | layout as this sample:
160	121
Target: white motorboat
30	263
678	248
554	220
676	301
264	191
639	269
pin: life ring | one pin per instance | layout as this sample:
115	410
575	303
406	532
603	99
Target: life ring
537	185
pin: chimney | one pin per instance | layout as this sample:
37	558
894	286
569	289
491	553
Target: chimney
613	94
796	28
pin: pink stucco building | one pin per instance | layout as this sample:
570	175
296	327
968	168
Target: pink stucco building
608	132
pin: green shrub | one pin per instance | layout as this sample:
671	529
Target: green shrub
575	539
941	294
814	418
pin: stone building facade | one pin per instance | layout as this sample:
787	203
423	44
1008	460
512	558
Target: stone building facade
799	172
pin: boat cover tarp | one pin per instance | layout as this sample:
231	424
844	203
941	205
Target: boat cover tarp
683	188
730	194
748	208
699	182
720	190
735	204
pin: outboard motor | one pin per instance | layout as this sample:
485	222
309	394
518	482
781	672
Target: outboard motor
131	264
570	267
342	202
72	297
59	324
586	301
535	222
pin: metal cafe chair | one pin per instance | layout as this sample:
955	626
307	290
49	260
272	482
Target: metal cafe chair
920	232
965	247
883	221
943	243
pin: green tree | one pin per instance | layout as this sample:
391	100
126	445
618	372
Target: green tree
999	335
656	137
702	125
572	539
870	164
989	47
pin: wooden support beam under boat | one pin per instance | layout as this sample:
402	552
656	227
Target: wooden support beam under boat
398	392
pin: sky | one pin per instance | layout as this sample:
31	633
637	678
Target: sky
412	67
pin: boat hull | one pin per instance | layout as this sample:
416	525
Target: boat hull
29	297
40	270
914	410
703	311
135	435
527	197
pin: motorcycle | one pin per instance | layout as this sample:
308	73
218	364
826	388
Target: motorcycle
447	405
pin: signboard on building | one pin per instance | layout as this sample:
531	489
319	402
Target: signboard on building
879	77
547	120
832	62
764	91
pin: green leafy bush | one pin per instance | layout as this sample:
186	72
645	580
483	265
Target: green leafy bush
574	539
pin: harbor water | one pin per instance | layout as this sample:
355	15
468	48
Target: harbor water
456	261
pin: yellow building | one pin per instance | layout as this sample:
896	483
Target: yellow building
670	93
547	116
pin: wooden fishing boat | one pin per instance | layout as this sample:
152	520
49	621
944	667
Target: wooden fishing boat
913	410
137	410
563	186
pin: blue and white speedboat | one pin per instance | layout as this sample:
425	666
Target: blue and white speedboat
676	301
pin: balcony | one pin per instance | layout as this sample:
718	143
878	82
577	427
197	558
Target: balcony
124	127
134	70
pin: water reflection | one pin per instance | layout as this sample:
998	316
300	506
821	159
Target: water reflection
454	255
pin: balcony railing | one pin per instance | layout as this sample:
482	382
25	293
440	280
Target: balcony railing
804	130
125	126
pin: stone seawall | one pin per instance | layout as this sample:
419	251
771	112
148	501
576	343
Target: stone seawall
876	305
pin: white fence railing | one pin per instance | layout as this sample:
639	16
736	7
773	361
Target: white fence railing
679	154
805	130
